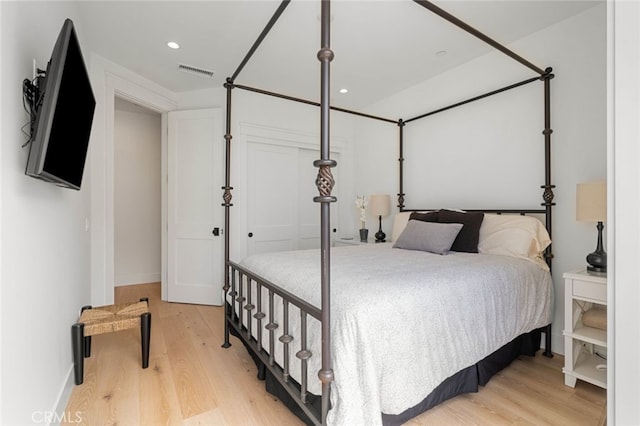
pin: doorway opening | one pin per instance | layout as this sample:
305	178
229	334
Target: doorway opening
137	194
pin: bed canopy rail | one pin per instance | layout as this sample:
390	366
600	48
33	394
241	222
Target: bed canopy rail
234	274
312	103
276	15
475	98
468	28
495	211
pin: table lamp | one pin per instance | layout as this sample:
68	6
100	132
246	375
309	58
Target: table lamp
591	206
379	206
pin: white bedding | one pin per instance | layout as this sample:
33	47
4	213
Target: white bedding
403	321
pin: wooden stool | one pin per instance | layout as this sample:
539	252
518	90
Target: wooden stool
106	319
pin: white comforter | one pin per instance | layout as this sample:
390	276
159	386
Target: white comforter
403	321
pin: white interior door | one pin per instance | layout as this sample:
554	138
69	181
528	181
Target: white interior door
281	186
194	258
272	198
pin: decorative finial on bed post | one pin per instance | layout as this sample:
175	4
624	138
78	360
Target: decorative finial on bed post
324	181
548	195
548	74
227	196
229	83
325	53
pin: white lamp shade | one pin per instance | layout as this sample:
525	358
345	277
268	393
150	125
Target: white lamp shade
591	202
379	204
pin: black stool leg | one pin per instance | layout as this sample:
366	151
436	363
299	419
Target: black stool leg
77	341
87	339
145	337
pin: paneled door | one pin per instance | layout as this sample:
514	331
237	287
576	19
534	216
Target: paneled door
281	186
195	215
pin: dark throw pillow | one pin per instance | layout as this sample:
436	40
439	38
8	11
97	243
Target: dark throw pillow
469	235
424	217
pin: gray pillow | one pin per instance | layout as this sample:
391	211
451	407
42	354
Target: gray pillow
428	236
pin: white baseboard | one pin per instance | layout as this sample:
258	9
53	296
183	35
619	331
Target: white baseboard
62	400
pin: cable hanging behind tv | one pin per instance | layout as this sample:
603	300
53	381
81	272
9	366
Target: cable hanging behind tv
61	105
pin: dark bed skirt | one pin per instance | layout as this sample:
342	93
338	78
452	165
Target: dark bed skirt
465	381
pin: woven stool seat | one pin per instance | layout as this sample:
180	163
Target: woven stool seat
107	319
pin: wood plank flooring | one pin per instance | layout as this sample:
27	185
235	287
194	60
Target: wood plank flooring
192	381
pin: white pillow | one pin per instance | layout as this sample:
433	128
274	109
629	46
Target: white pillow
514	235
399	223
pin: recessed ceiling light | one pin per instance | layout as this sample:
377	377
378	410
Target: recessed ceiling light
441	53
173	45
344	90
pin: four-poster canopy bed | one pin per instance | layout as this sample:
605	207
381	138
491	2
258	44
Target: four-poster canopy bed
271	318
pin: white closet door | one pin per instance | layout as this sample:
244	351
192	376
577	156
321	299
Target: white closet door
272	218
281	186
194	258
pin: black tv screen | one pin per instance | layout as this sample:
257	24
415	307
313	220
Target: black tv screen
63	120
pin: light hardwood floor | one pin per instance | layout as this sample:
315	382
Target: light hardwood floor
192	381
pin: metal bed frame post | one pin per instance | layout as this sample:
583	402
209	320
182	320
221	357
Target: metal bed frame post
401	194
547	196
325	182
229	85
227	203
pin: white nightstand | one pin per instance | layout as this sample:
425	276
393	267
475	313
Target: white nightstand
341	242
582	291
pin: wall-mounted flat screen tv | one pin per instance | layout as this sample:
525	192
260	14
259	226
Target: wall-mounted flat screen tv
63	116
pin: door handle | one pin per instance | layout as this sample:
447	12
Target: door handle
250	234
216	231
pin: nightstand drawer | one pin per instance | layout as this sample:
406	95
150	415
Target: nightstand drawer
589	290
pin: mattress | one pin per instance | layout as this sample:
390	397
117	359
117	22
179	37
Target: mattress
397	312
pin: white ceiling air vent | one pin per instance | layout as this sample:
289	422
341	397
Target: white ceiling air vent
195	70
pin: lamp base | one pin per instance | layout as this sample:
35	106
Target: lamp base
380	236
597	269
597	261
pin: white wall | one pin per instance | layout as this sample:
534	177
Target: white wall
624	208
137	194
1	222
576	50
44	245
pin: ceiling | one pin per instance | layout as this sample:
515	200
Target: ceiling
381	47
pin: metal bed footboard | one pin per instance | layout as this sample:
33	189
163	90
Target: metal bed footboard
240	314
